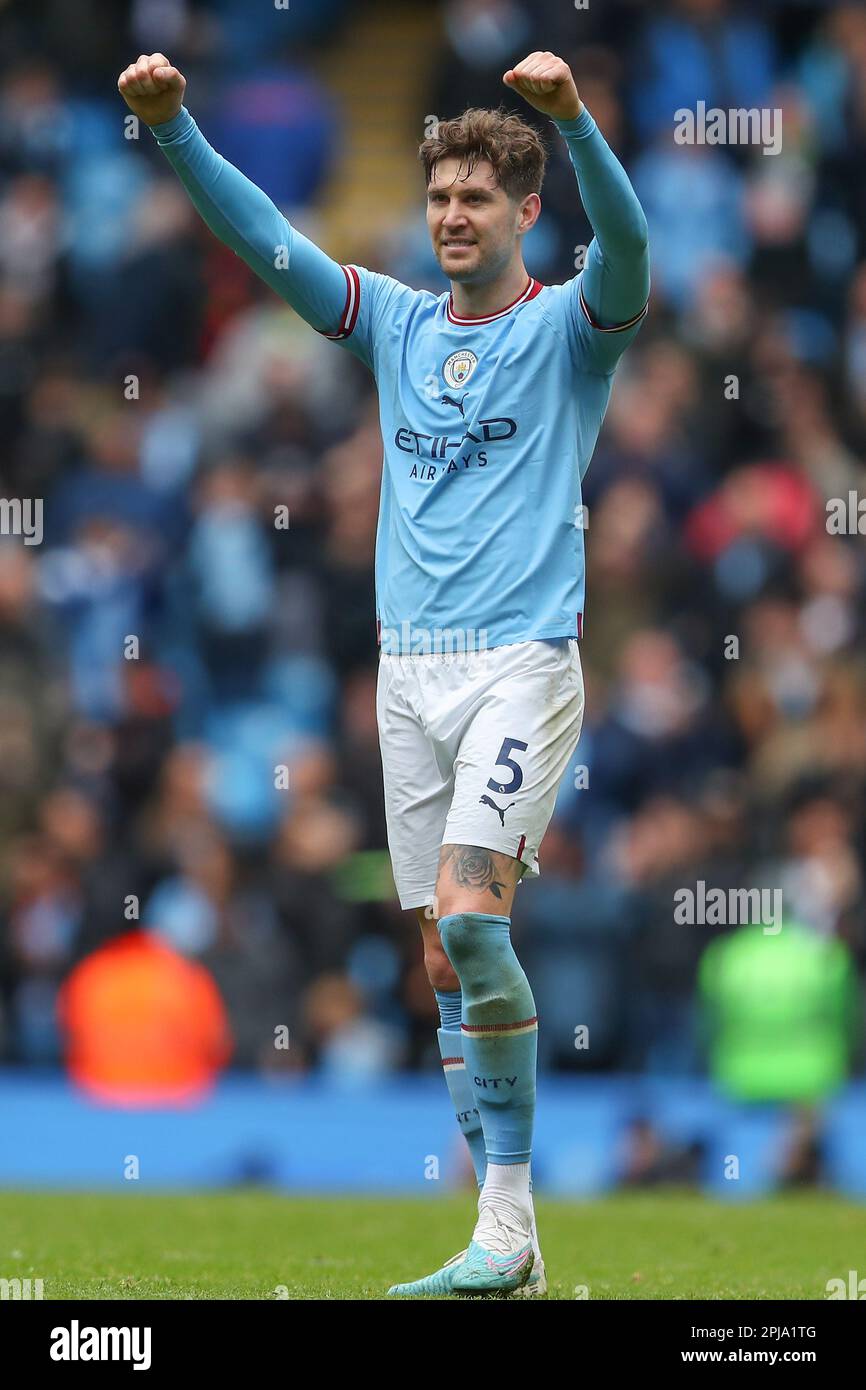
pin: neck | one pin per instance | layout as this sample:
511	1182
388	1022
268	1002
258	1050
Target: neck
474	301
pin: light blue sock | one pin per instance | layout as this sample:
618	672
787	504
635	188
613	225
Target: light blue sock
500	1030
459	1088
450	1007
462	1098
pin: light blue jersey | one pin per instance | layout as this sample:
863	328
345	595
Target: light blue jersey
488	424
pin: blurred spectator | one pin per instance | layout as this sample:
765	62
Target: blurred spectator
142	1026
782	1013
350	1048
278	126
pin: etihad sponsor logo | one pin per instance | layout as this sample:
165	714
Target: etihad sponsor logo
436	446
460	454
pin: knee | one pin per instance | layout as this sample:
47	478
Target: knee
480	951
463	946
462	942
440	971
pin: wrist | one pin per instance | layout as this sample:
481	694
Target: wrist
167	130
580	125
573	115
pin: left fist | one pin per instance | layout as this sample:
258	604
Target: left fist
545	81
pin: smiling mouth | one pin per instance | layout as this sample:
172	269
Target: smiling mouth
457	245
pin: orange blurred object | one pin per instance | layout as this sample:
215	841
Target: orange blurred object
143	1025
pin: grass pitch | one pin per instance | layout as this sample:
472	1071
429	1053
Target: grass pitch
251	1244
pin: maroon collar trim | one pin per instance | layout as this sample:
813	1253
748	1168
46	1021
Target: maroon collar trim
533	288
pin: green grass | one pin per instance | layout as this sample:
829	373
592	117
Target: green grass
244	1244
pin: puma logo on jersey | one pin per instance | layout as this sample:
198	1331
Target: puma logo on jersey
449	400
500	810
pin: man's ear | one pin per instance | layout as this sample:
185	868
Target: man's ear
530	211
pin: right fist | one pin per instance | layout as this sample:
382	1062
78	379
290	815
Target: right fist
152	88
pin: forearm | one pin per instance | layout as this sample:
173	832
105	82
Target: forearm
245	219
616	273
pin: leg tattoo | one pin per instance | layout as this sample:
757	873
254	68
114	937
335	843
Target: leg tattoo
472	867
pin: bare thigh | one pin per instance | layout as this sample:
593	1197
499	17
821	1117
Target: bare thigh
472	879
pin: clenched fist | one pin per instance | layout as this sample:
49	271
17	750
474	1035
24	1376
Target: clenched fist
152	88
545	81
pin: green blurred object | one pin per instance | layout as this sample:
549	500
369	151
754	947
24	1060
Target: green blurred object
783	1012
365	877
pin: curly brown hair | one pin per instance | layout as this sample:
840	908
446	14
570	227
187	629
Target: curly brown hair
512	146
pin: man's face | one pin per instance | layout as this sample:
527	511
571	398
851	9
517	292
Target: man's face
473	223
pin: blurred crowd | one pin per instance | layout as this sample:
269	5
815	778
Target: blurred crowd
187	722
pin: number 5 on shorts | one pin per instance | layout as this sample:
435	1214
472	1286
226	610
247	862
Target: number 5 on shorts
503	760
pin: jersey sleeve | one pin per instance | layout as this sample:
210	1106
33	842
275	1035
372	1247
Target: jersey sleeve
373	310
596	344
603	307
342	302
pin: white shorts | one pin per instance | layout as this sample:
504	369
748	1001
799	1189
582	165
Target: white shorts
474	746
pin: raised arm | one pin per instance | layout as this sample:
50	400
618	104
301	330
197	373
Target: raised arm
615	282
238	212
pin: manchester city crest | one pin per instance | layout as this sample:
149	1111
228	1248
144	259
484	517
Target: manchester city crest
458	368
